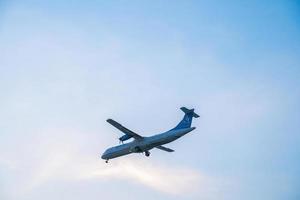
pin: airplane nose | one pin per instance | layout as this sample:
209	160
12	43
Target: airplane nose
105	155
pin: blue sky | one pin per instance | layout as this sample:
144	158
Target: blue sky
65	67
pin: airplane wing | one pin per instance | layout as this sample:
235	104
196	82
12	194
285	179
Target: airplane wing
164	148
124	129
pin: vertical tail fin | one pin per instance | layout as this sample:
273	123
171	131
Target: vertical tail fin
186	122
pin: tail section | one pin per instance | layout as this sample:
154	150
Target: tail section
186	122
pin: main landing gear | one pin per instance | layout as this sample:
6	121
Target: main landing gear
147	153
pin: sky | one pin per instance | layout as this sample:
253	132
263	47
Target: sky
67	66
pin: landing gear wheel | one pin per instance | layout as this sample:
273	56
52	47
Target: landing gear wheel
106	161
147	153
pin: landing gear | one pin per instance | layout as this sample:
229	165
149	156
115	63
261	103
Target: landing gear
147	153
106	161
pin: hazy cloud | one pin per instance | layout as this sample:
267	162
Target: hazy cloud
61	156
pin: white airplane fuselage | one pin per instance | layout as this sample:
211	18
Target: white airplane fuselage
145	144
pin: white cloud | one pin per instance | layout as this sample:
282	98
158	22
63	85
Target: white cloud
66	156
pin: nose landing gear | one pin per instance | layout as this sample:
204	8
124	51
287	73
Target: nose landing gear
147	153
106	161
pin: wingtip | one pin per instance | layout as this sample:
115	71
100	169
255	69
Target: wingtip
110	120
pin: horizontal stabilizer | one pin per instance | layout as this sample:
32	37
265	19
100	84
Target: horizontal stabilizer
187	111
165	149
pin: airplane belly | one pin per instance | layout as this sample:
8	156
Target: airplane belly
157	141
119	153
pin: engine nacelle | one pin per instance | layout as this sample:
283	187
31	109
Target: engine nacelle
125	137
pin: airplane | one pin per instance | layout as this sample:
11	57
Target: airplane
142	144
